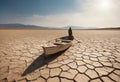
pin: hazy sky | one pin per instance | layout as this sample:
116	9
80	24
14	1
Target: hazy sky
87	13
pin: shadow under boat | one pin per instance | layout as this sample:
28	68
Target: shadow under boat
41	61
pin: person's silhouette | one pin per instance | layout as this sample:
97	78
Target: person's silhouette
70	35
70	32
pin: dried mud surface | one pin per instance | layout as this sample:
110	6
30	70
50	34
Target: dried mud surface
93	57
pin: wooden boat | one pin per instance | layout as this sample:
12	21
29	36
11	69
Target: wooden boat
56	46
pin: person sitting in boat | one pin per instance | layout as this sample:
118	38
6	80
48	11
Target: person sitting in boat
70	35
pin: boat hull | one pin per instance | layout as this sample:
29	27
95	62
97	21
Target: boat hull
55	49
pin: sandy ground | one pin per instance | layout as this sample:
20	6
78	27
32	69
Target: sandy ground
94	56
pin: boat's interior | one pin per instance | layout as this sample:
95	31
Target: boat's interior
67	41
60	43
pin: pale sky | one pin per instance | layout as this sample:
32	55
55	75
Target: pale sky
60	13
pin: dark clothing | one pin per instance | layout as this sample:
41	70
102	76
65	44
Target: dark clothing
70	31
70	34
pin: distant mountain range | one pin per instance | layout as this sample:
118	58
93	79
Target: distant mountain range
8	26
23	26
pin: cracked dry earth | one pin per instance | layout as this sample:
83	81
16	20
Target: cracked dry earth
96	58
